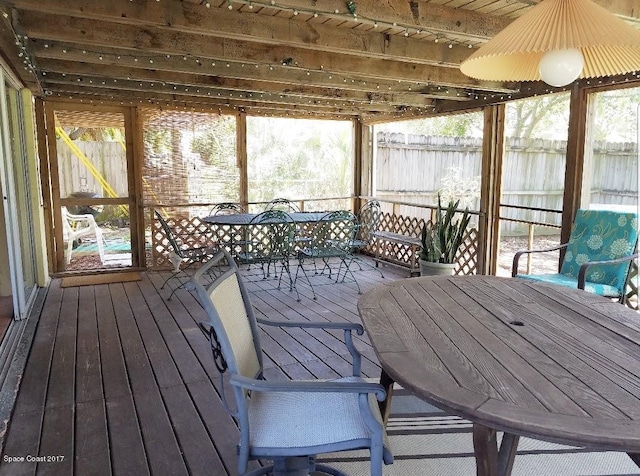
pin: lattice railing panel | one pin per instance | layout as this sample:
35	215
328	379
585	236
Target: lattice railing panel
405	254
468	254
190	232
194	232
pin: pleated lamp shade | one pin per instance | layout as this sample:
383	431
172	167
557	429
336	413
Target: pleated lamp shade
608	44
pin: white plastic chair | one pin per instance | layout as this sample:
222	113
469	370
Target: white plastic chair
79	226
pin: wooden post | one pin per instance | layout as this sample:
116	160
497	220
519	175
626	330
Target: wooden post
491	189
45	179
530	246
359	181
134	137
241	157
575	160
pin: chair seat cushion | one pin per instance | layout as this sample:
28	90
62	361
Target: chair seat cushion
307	420
567	281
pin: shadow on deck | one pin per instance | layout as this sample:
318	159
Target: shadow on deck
121	381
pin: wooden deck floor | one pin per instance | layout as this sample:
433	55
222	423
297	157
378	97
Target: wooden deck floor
121	381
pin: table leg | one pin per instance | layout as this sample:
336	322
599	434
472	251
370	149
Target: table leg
385	406
489	460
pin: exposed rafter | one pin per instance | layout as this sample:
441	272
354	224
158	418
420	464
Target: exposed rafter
370	59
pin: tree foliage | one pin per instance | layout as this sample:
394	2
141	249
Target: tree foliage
296	158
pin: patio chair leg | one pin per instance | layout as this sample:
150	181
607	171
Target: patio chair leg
292	285
173	275
347	269
301	266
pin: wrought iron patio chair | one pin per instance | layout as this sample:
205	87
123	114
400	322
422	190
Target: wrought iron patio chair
76	227
368	219
292	421
268	241
598	255
224	235
282	204
227	208
183	255
332	237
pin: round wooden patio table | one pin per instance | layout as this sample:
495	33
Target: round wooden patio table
511	355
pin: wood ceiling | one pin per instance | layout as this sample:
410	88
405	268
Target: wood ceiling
375	59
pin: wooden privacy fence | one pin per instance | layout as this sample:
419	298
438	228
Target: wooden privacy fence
109	158
412	168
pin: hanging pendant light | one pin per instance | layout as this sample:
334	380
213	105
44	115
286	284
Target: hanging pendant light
558	41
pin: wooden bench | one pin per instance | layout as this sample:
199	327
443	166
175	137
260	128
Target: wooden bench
384	238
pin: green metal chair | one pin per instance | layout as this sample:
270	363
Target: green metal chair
268	241
227	208
292	421
368	219
182	255
598	255
332	237
283	204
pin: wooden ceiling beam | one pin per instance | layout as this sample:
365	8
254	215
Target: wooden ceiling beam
87	72
134	86
90	94
429	17
151	43
232	24
282	76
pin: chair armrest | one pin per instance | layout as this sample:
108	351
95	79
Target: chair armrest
308	386
516	257
582	272
315	325
346	326
82	219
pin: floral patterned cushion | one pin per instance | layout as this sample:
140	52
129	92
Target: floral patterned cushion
600	235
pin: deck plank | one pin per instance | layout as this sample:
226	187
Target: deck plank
127	448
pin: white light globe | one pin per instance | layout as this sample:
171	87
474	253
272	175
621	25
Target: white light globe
561	67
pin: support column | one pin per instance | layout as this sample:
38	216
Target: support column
574	168
359	180
491	189
241	157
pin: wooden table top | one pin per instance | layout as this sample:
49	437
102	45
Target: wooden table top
527	358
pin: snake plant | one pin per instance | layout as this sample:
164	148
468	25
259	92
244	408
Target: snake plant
441	238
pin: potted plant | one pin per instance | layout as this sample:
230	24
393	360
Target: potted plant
440	239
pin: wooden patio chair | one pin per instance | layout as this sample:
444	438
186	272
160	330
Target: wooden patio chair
598	255
76	227
288	422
